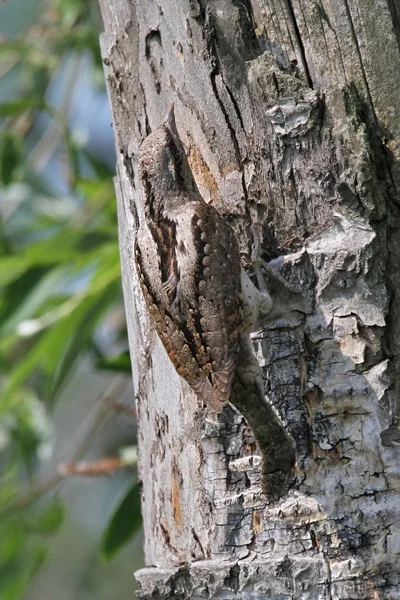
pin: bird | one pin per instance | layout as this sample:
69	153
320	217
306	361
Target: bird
188	263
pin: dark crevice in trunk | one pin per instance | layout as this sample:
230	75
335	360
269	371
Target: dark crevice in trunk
300	44
360	58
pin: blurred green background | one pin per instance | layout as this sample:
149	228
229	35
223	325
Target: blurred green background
69	502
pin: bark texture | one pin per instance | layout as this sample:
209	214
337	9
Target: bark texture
290	112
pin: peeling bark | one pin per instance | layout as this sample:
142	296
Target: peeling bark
290	113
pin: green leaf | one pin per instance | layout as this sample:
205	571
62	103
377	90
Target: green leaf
58	348
91	313
14	108
125	522
70	11
14	45
37	296
16	574
12	267
48	520
13	296
11	540
96	193
56	249
30	427
12	581
10	156
9	486
120	363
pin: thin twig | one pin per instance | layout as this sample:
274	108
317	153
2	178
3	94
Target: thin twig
76	449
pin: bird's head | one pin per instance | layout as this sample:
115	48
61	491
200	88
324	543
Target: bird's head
162	158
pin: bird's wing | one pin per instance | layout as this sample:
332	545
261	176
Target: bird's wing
189	270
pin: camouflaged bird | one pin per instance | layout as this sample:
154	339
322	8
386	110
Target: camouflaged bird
203	304
188	263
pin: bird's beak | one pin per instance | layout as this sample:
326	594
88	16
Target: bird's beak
169	121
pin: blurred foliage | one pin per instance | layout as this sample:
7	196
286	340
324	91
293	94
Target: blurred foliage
124	523
59	267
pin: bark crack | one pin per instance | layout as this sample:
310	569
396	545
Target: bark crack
329	579
234	139
363	73
300	44
324	17
394	10
284	13
216	70
232	132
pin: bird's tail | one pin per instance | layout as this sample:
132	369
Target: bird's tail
216	393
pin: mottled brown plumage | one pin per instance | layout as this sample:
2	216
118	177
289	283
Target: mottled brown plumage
189	267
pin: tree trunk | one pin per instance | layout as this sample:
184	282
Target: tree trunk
290	113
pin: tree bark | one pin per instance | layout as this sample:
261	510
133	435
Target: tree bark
290	113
